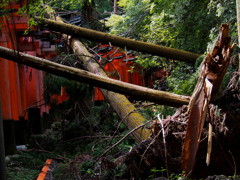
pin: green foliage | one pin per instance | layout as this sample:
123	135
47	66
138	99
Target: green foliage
148	62
151	111
25	165
69	171
187	24
182	79
157	173
160	30
103	6
66	4
115	21
179	24
130	24
225	12
122	3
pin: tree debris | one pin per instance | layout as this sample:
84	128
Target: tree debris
189	140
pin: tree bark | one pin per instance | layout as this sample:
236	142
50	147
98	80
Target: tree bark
212	71
126	111
98	36
159	97
115	6
238	25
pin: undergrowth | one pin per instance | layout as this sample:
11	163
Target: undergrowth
25	165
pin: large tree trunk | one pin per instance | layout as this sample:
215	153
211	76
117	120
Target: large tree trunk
126	111
98	36
238	24
160	97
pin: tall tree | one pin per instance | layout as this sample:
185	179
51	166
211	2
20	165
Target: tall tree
238	24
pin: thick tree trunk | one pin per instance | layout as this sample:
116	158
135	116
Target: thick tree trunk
126	111
238	24
98	36
144	93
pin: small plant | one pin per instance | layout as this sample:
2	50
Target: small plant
156	173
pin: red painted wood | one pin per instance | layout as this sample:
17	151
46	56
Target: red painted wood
4	90
118	69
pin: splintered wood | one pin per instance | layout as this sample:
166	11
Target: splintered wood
211	74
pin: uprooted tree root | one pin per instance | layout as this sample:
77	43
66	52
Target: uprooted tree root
159	153
163	150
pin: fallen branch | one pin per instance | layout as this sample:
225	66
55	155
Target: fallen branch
129	133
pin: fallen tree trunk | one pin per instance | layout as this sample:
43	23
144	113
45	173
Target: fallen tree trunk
125	109
144	93
97	36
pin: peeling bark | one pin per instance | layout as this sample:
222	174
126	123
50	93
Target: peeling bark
211	74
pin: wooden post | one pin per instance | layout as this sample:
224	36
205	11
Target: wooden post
2	149
9	136
35	121
21	131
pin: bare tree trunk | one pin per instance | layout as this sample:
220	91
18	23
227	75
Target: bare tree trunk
98	36
160	97
238	25
125	110
115	6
